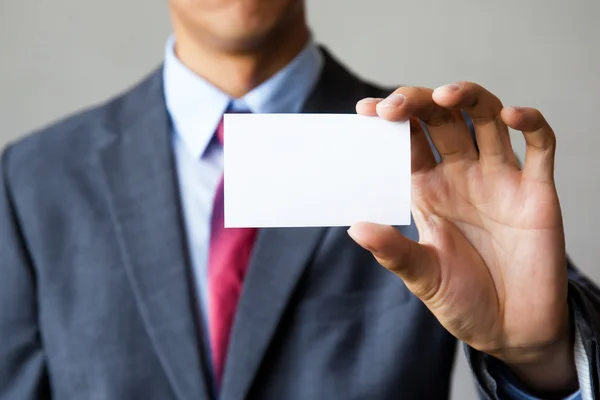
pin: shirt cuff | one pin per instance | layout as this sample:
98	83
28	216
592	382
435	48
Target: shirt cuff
509	388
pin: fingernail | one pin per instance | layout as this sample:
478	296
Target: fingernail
370	100
351	231
356	236
453	87
393	100
516	108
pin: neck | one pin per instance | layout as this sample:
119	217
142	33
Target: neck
237	73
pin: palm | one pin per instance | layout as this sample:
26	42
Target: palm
490	228
491	262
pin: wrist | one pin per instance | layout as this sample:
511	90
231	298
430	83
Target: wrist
548	371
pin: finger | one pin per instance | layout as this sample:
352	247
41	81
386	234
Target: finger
539	138
421	155
484	109
406	258
422	158
367	107
446	128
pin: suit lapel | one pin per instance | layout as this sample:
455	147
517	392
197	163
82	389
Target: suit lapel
280	256
142	191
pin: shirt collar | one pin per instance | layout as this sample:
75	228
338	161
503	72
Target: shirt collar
196	106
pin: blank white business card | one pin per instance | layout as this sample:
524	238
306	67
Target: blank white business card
301	170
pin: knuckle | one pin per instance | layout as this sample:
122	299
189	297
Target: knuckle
438	117
551	140
466	83
413	91
477	98
535	120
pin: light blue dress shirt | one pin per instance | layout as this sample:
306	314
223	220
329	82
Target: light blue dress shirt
196	107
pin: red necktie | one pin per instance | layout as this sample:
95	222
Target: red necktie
229	255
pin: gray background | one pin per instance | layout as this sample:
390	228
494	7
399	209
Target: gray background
59	56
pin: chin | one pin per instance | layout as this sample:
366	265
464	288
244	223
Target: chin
248	39
240	26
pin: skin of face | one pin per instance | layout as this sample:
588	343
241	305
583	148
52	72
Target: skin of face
237	26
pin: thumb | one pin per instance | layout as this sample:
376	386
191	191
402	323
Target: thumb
413	262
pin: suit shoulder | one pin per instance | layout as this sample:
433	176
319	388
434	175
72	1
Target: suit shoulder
72	138
341	85
342	76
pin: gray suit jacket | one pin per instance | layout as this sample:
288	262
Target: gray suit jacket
95	293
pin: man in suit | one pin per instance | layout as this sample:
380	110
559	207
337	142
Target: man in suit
118	280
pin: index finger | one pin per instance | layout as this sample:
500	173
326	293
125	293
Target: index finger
446	127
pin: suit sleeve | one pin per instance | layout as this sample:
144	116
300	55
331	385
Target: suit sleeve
22	366
584	302
584	299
